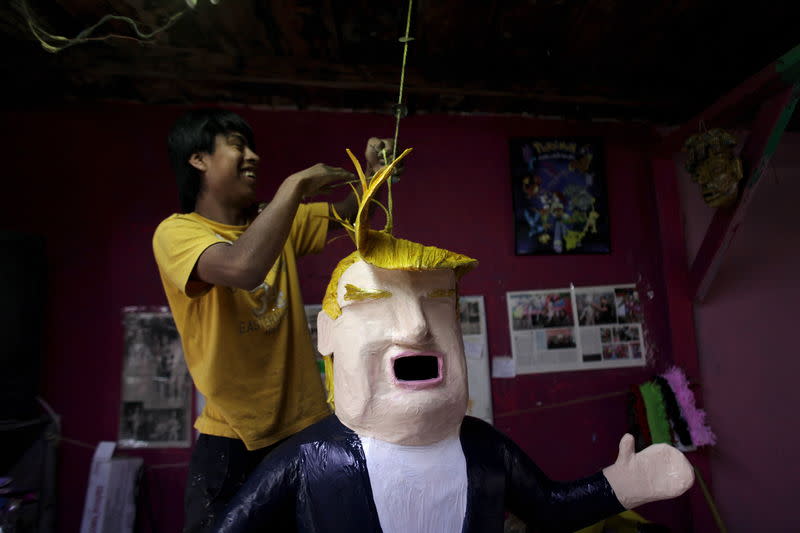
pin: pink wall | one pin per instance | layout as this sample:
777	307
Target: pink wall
96	182
749	355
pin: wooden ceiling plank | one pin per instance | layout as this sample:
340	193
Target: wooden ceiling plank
135	10
77	8
387	86
477	53
290	20
329	20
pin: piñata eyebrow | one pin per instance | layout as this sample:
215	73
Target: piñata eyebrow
353	293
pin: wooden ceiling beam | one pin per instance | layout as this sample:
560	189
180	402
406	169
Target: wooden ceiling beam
291	15
201	67
329	20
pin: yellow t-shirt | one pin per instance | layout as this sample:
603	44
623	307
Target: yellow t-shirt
249	352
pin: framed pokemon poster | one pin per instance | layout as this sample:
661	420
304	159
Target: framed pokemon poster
559	196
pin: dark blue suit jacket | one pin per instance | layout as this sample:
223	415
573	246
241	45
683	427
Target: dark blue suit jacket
317	482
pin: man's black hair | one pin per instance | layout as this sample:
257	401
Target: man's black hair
195	132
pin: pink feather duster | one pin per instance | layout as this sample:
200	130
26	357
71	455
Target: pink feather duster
695	418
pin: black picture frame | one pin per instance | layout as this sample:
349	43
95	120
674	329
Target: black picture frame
560	196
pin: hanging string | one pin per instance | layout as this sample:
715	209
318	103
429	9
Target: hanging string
398	112
398	108
56	43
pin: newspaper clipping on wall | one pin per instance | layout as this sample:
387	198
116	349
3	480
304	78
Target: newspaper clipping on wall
156	387
578	328
476	350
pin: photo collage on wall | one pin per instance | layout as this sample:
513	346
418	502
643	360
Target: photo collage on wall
576	329
156	387
610	324
559	196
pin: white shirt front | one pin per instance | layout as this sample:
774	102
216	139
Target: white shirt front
418	489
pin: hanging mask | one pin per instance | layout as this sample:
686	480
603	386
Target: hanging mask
713	165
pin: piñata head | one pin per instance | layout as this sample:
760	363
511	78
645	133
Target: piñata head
390	319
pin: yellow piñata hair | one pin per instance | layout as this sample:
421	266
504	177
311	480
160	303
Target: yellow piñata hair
381	248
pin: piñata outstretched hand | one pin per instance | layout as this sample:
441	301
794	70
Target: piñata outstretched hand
658	472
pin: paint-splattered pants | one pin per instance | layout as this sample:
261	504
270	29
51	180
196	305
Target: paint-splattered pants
219	467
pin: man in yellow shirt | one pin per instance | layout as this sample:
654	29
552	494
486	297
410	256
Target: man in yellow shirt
229	273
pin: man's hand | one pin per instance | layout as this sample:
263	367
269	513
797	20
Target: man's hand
656	473
314	179
378	154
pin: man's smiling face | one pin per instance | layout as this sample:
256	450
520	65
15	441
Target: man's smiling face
399	368
230	171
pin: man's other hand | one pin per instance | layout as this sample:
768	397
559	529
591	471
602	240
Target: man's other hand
378	154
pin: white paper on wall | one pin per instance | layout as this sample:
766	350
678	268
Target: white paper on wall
503	366
473	328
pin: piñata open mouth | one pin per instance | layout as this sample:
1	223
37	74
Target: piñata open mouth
417	370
